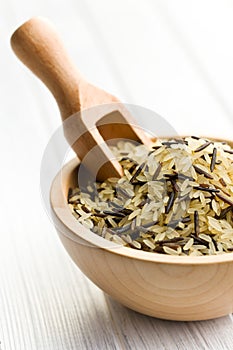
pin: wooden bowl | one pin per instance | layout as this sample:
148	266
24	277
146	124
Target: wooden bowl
168	287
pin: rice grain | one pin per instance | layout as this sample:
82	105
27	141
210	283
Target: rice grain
175	198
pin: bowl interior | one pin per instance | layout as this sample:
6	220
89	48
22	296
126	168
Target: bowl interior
68	225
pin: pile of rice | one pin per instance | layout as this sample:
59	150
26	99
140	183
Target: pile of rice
175	198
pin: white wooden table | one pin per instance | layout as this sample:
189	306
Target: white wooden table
174	57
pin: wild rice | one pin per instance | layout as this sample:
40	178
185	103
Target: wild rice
200	148
175	198
202	172
213	160
157	171
196	223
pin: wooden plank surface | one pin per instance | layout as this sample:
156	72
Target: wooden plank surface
172	57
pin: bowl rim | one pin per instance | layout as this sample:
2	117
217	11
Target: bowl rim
66	223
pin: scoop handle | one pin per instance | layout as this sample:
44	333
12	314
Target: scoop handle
38	46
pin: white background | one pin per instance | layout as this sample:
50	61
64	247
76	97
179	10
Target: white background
174	57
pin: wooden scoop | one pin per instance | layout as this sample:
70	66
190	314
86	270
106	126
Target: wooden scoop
38	46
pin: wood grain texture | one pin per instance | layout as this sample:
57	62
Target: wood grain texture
143	332
45	302
185	51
